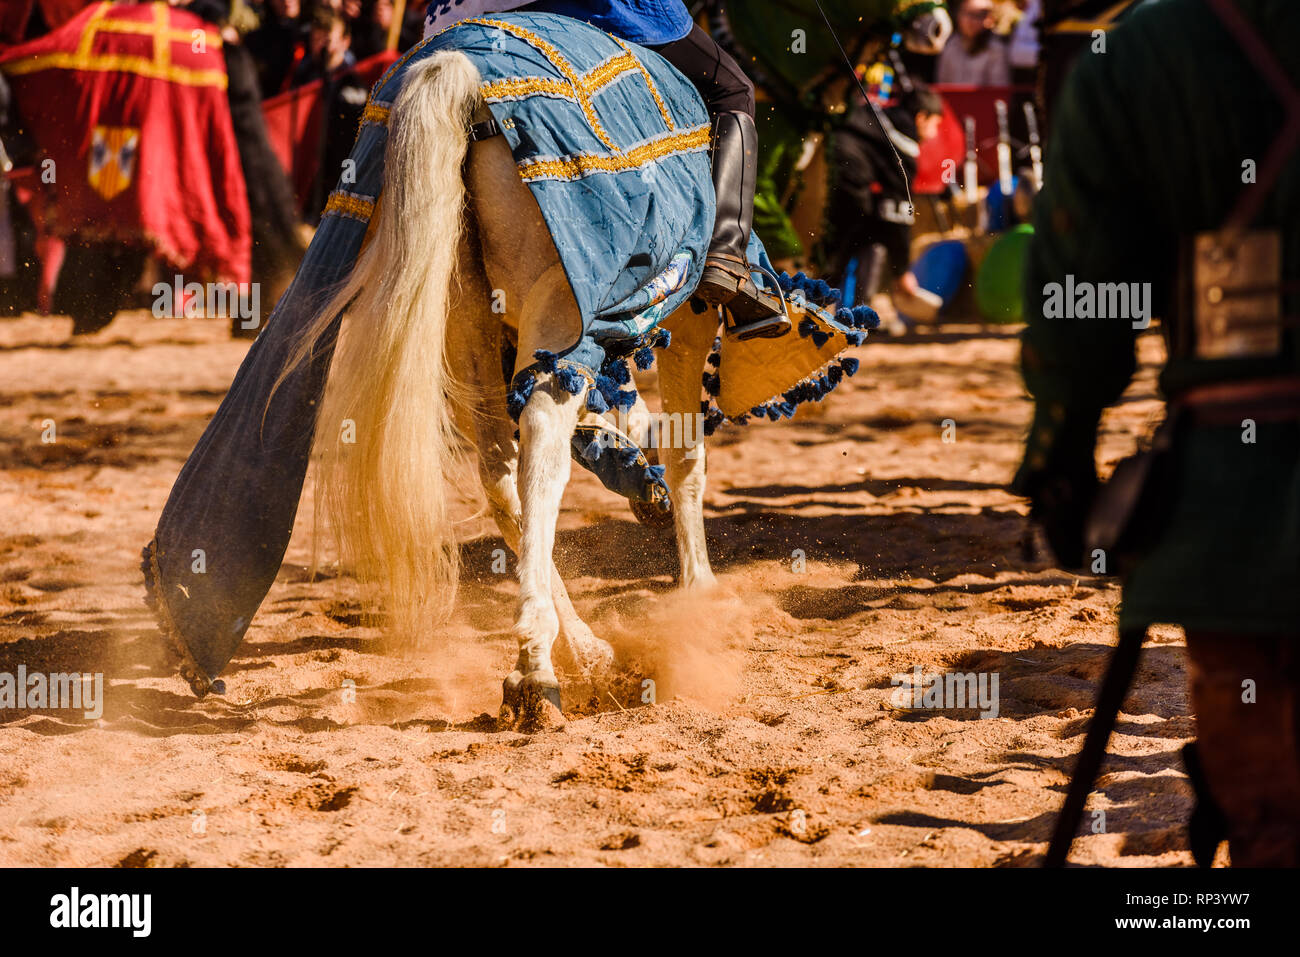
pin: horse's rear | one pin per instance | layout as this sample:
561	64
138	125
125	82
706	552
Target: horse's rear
458	257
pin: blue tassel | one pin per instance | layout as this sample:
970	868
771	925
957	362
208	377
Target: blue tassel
849	365
596	402
714	419
545	359
644	358
820	338
655	473
758	411
742	419
806	327
784	281
772	414
834	375
627	457
605	385
663	339
570	379
625	398
864	317
525	382
714	359
593	451
856	338
617	370
786	409
712	383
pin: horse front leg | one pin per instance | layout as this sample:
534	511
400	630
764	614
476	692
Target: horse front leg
680	368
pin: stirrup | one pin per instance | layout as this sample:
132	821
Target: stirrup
765	325
751	322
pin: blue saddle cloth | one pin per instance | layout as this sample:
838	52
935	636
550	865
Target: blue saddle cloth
600	180
613	144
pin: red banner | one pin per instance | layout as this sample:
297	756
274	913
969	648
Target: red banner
293	124
980	104
136	142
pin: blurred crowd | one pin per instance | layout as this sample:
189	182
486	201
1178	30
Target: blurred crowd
293	42
994	43
297	41
275	47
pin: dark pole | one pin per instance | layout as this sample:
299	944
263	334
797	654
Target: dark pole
1114	686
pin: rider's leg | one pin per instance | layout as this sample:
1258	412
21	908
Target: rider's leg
729	96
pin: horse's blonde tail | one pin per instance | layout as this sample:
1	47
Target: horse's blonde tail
389	453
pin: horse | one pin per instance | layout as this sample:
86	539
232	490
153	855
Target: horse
391	335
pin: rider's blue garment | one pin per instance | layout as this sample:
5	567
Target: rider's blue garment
649	22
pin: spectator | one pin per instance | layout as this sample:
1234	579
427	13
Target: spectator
869	215
329	47
277	44
975	55
370	32
1024	37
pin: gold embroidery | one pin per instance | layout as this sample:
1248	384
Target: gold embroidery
522	87
375	113
576	167
350	205
602	74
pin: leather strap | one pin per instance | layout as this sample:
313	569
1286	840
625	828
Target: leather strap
1275	399
485	130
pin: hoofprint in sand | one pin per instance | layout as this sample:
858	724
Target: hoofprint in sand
775	736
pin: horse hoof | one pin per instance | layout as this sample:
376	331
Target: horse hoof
532	701
651	514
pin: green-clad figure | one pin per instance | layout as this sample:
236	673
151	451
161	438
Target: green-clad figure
1172	190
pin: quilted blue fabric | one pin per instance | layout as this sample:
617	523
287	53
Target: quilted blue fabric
613	143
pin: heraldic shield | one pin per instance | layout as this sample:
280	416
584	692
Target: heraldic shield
113	151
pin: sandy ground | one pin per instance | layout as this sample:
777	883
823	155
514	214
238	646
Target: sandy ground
773	740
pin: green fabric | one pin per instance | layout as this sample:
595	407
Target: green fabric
1230	558
766	31
779	145
1147	147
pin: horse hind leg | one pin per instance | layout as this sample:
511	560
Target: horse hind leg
476	341
520	261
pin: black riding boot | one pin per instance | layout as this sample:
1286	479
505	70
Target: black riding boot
726	280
